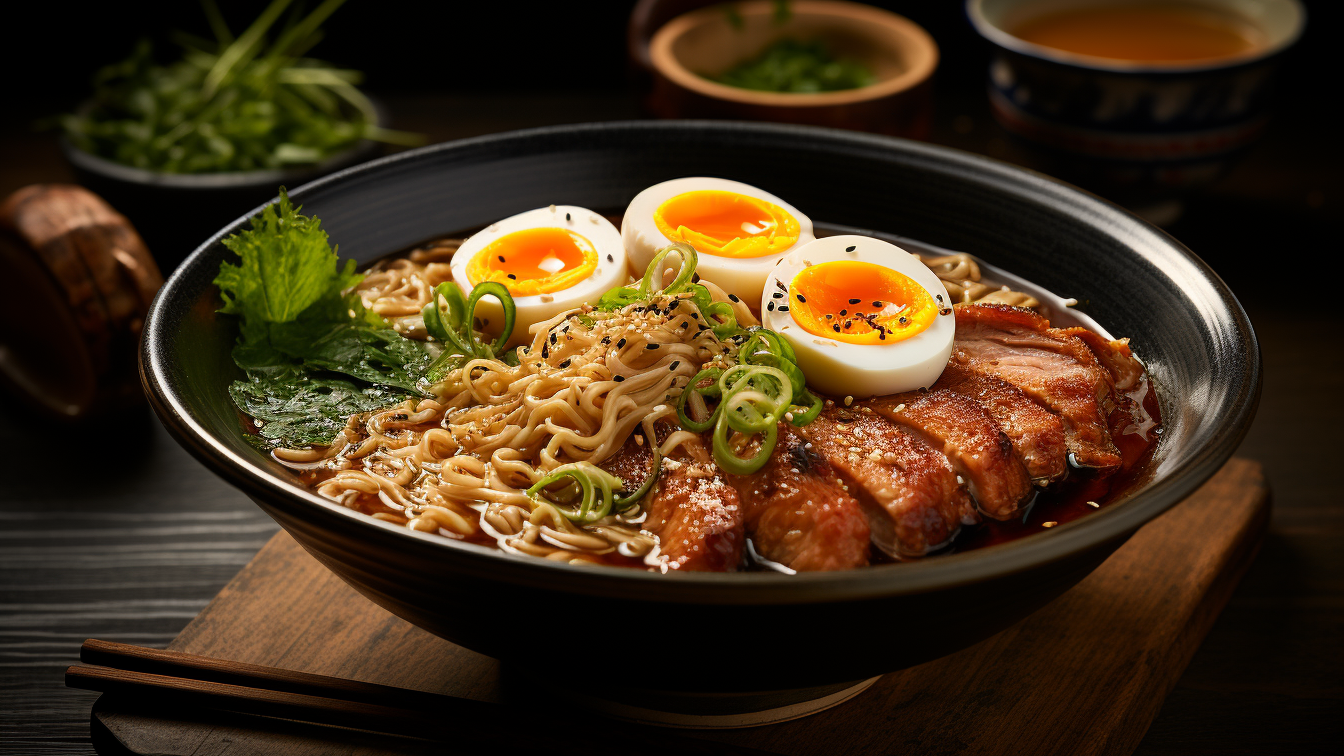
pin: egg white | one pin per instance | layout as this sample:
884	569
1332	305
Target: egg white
740	276
610	271
861	370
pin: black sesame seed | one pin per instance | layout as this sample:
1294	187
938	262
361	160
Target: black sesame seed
695	278
849	249
513	277
695	315
882	335
545	351
565	364
567	216
606	339
783	308
777	295
854	301
903	320
501	258
618	378
770	307
801	298
836	326
620	343
844	313
829	316
848	323
877	303
651	346
734	297
674	364
610	258
554	338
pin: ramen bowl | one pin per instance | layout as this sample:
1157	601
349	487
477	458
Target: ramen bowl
739	648
1138	131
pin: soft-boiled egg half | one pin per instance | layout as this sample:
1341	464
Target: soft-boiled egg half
864	317
738	231
550	259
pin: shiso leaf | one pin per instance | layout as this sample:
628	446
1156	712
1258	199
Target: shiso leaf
293	408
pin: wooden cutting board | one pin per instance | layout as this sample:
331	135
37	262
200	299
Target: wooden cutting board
1085	675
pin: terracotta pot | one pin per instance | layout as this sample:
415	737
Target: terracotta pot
707	42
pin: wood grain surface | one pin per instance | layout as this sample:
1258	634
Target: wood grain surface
1086	675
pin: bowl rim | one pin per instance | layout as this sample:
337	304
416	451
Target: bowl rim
1111	524
1001	38
924	55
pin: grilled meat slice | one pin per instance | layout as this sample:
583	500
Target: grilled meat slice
1037	434
970	438
910	493
1052	366
797	512
695	513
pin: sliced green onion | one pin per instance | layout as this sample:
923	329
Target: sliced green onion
595	486
730	462
453	323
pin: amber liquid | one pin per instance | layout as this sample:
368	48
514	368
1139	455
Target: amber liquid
1143	32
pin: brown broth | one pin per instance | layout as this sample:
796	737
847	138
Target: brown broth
1143	32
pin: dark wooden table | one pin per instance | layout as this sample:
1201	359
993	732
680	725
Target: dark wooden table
115	532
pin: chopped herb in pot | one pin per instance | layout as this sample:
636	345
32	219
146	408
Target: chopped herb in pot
792	65
234	104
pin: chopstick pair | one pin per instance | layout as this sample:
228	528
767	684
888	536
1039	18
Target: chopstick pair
253	689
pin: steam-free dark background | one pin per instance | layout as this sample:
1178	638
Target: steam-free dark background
123	536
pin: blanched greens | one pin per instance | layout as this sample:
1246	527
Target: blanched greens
229	104
314	355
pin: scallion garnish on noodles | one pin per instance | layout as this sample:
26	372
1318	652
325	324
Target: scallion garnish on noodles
452	323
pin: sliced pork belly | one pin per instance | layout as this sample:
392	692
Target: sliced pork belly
797	512
909	491
969	437
695	513
1053	367
1036	433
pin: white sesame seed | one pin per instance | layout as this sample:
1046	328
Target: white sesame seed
1049	524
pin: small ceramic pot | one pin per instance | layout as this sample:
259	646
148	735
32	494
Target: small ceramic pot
1136	132
710	41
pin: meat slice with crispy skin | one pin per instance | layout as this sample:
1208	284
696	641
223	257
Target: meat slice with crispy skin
695	513
971	440
1036	433
909	491
798	513
1052	366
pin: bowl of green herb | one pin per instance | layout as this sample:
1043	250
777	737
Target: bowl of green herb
822	62
183	146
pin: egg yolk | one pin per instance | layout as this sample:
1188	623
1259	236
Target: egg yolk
859	303
535	261
727	224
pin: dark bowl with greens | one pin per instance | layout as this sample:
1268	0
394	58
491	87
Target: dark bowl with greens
182	146
806	636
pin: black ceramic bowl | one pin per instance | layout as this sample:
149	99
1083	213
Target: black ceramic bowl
750	632
173	211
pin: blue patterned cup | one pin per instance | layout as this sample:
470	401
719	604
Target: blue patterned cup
1137	132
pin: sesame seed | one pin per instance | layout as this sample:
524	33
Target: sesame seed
565	364
777	295
618	378
610	259
734	298
848	323
877	303
836	326
844	313
674	365
849	400
882	335
620	344
801	298
770	307
829	316
1049	524
855	301
501	258
651	346
567	216
512	277
1094	505
849	249
783	308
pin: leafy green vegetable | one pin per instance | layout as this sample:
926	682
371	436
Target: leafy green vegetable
289	289
303	327
231	104
294	408
792	65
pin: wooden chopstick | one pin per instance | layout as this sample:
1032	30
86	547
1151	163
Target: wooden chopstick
180	679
